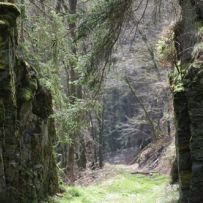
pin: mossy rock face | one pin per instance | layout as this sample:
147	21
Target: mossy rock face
28	82
185	178
4	30
33	84
9	8
42	104
25	131
4	24
2	66
26	94
2	111
174	172
183	136
199	6
5	87
188	105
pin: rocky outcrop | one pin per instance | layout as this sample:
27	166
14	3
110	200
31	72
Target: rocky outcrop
27	163
188	105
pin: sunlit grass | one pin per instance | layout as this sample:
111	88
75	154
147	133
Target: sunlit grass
123	188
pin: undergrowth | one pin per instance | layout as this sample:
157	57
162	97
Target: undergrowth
123	188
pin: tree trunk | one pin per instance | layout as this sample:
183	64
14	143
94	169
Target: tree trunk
101	140
74	92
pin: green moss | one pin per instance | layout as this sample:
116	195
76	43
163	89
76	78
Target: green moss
33	84
30	85
26	94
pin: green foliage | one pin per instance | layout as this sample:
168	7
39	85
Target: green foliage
71	120
47	46
176	80
165	49
102	26
74	192
44	49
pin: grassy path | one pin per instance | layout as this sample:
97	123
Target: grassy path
120	186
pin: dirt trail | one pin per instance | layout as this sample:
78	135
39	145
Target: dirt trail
144	181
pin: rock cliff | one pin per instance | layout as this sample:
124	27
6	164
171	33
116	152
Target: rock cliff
188	101
27	163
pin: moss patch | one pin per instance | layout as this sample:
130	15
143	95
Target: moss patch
26	94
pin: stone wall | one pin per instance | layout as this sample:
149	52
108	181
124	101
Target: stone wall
27	163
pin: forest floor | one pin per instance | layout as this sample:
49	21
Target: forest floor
123	181
120	184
